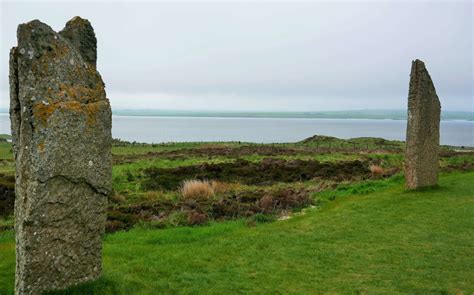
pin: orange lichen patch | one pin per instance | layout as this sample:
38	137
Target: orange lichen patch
39	66
62	49
91	110
43	111
49	54
81	93
56	49
78	21
41	147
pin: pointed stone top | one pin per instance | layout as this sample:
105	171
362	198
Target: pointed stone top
78	21
421	83
418	61
34	27
80	33
417	65
34	23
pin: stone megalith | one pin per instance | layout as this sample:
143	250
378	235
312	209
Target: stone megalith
422	141
61	127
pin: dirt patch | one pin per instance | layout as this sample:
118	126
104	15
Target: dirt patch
266	172
466	166
7	194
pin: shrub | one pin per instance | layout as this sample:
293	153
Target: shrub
220	187
151	195
198	190
116	198
195	218
129	175
112	226
263	218
177	219
267	203
377	170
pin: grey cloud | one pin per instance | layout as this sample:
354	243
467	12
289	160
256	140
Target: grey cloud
269	55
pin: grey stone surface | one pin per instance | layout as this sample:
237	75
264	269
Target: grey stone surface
422	141
61	127
81	34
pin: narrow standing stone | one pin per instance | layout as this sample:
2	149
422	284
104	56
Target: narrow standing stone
422	142
61	127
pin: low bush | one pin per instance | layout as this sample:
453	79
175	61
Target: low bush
263	218
178	218
200	203
196	218
221	187
376	170
267	204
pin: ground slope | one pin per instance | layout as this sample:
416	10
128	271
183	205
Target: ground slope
387	241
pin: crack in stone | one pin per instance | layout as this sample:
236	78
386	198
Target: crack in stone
99	190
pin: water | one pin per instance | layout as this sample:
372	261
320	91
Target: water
178	129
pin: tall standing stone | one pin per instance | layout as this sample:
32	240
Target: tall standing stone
422	142
61	127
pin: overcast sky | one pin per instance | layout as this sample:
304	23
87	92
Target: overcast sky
266	56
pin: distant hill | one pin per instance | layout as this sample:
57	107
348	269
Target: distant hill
5	137
354	114
326	141
351	114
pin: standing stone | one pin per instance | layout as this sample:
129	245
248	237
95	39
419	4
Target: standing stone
422	142
61	127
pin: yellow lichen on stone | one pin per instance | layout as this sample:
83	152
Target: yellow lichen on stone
41	147
81	93
42	112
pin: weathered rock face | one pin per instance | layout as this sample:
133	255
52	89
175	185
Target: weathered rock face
61	127
81	34
422	142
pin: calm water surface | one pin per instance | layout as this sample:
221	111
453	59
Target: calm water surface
267	130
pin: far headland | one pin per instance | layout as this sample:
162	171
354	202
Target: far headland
377	114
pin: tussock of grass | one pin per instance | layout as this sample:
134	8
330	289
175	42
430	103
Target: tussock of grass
198	190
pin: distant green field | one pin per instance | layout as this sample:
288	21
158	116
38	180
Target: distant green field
5	136
371	237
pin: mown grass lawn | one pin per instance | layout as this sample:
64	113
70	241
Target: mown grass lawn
387	241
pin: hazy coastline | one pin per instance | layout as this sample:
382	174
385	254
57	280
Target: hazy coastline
157	129
348	114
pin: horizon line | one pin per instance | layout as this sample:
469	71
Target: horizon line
6	110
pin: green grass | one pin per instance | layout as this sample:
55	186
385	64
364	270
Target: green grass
374	239
138	149
6	150
125	176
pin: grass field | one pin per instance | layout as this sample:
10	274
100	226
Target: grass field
371	237
360	231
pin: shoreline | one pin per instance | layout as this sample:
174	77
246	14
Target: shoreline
220	116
